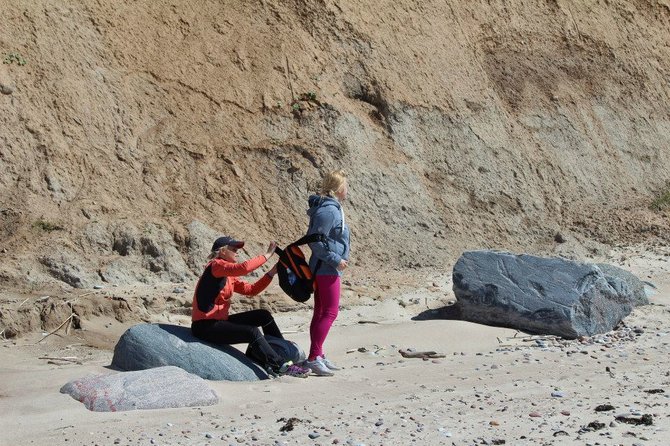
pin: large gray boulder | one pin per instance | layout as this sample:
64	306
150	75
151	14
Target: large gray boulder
145	346
543	295
145	389
625	282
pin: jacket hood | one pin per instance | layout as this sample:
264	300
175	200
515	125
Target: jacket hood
316	201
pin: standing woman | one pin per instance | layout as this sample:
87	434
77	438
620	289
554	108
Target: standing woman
328	261
211	302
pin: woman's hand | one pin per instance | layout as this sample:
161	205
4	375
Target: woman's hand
271	250
343	265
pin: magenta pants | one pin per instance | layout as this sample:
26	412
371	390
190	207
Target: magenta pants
326	305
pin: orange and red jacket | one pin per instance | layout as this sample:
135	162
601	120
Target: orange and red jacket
217	283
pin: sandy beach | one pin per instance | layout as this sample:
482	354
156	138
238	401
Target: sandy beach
493	386
135	133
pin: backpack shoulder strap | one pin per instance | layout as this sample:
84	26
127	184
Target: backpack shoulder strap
311	238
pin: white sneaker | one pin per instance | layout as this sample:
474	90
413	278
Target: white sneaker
329	364
318	367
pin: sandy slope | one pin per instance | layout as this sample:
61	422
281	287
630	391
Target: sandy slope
136	132
485	389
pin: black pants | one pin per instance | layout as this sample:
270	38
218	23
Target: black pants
241	328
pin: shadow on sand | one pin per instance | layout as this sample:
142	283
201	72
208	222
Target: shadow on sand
451	312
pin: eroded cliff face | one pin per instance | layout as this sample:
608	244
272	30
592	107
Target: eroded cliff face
136	131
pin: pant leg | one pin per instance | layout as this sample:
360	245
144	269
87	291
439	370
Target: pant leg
227	332
326	306
258	318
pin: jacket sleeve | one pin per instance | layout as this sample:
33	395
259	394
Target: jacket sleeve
323	222
249	289
229	269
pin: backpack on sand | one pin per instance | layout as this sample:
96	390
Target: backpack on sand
288	350
295	277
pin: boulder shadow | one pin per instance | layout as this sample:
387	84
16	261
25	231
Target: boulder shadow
450	312
454	313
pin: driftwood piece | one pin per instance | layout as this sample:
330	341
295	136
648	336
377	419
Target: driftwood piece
421	355
288	77
73	359
67	321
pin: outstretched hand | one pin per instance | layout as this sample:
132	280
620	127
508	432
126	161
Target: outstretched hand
271	249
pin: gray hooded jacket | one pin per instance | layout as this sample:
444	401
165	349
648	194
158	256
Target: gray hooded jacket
326	217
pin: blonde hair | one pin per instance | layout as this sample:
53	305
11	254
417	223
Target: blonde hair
333	182
214	253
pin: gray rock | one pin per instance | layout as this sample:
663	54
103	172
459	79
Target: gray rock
147	346
150	249
199	243
158	388
542	295
127	254
125	271
125	239
65	266
161	255
6	88
625	282
97	235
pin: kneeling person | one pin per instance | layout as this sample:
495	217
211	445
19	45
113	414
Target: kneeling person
211	302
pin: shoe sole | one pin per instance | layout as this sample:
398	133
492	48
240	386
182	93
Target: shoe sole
327	372
296	376
332	368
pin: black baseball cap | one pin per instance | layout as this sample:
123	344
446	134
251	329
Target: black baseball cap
226	241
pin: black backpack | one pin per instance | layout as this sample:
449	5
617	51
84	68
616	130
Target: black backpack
295	277
288	350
